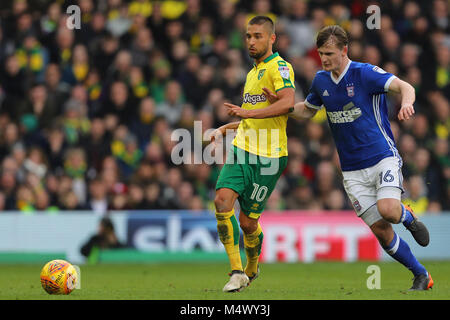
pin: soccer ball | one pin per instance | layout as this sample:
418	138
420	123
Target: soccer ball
58	277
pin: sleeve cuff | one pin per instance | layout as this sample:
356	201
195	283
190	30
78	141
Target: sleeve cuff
291	86
388	83
309	105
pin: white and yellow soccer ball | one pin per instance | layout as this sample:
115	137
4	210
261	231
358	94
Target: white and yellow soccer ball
59	277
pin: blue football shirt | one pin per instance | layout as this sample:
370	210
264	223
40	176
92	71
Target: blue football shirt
356	109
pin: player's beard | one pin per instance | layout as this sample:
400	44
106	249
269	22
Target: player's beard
257	55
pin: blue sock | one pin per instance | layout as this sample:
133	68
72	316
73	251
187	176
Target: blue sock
400	251
406	217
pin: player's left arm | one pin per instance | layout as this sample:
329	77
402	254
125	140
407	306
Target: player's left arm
408	95
284	105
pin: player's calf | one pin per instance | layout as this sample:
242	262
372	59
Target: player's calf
384	232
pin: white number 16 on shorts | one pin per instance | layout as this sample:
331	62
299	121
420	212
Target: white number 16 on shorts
383	180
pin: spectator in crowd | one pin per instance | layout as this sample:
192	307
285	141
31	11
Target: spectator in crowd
56	147
57	91
172	106
9	185
301	196
142	124
417	195
78	69
14	86
326	180
40	106
75	124
299	28
152	196
136	196
97	144
2	202
70	201
127	153
75	167
25	199
35	163
98	200
120	103
336	200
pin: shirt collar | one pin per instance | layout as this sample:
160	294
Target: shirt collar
336	81
273	55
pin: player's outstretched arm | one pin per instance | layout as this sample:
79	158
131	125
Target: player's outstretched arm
299	111
302	111
282	105
408	95
222	131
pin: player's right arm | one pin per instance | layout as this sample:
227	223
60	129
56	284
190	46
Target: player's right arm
283	104
223	130
302	111
229	126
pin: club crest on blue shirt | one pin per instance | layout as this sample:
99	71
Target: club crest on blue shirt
350	91
356	205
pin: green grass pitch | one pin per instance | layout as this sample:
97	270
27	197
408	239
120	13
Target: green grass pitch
204	281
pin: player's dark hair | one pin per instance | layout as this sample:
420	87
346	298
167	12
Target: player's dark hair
337	33
260	20
107	223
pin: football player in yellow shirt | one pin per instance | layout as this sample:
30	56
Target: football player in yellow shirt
258	155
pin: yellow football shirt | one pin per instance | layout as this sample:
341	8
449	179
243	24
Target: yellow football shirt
265	137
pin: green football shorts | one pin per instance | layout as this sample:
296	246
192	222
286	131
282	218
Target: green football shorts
252	177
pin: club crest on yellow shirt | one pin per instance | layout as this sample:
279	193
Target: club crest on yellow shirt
261	73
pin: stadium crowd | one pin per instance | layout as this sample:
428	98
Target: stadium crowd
86	115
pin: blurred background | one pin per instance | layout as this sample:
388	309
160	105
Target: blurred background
86	115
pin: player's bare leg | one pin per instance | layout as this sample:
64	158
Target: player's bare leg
384	232
228	229
394	211
253	237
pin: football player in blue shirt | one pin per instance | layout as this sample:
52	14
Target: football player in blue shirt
353	95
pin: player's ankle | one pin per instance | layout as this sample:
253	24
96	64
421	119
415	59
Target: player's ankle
251	270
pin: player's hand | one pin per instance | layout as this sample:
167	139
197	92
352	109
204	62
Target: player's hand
112	239
272	97
216	136
406	112
234	110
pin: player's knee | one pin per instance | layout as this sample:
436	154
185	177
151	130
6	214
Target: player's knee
222	203
390	209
